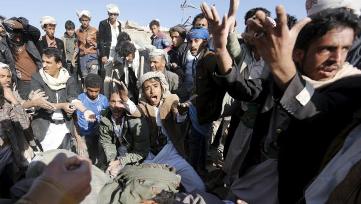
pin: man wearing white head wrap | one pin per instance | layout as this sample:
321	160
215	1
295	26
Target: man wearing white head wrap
87	44
166	138
48	24
109	30
158	63
313	7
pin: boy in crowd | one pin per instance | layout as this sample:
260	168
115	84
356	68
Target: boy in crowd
160	107
70	46
96	103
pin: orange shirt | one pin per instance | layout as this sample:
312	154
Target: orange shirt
87	40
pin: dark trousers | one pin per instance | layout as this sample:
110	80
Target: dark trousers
198	144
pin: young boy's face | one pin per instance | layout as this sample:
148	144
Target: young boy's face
152	90
70	32
50	30
92	93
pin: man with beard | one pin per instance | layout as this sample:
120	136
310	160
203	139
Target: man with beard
309	100
123	137
198	65
22	54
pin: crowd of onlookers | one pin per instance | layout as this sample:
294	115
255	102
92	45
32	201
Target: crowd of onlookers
280	103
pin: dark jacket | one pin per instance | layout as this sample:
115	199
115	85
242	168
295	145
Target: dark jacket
7	57
206	88
298	135
134	136
105	37
349	190
42	45
42	117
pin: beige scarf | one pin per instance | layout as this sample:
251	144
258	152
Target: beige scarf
346	71
55	83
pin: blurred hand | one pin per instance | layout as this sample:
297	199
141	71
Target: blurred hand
73	174
123	91
40	102
37	94
114	168
89	116
68	108
9	95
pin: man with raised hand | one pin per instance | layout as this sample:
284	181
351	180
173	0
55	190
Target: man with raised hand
311	89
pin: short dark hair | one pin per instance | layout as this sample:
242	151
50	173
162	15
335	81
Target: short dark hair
53	52
93	81
324	21
179	29
154	22
69	25
291	21
253	11
198	16
123	36
125	48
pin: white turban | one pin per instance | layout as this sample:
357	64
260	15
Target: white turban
47	20
157	52
5	66
83	13
155	74
315	6
112	8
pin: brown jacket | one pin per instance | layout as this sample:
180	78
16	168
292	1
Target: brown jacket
168	121
87	41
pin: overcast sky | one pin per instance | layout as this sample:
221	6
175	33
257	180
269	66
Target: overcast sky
168	12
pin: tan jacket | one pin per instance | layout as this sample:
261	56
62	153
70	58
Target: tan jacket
87	41
168	121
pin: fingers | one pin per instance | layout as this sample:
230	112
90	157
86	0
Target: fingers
215	14
299	25
207	11
282	17
58	161
233	7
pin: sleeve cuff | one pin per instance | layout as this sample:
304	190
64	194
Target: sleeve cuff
297	95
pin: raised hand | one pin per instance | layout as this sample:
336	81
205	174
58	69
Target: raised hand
123	91
275	44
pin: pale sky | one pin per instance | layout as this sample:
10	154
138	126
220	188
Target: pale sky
168	12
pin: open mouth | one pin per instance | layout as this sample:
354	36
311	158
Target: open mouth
154	99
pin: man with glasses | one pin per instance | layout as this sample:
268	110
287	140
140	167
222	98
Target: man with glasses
109	30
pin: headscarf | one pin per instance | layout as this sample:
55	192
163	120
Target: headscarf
83	13
198	33
313	7
55	83
155	74
112	8
47	20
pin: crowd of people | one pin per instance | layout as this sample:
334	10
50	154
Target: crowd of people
281	101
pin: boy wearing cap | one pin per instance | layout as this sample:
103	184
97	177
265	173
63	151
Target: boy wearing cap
87	44
48	24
